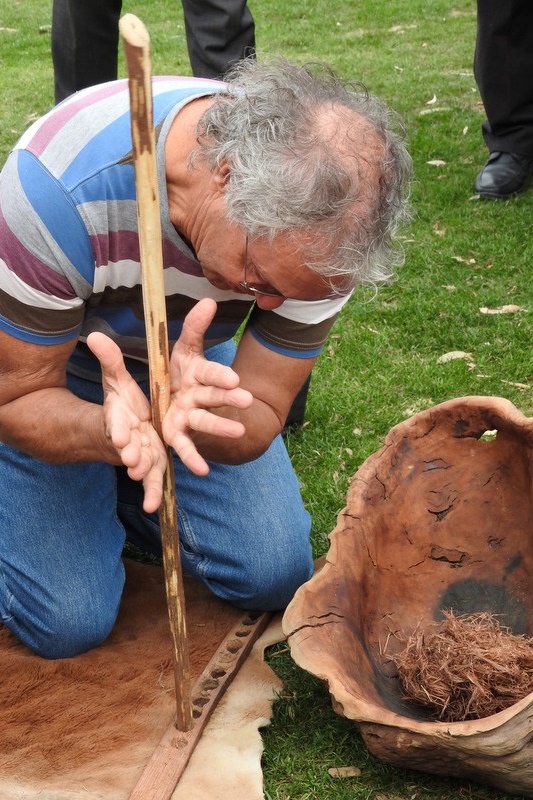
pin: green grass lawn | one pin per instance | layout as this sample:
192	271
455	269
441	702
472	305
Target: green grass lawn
381	364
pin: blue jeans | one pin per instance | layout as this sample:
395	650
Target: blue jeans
243	532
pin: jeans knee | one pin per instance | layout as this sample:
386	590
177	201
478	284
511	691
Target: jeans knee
265	586
65	626
68	634
69	639
273	590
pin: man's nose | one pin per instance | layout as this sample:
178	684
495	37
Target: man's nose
269	303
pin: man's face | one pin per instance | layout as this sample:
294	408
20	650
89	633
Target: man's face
274	269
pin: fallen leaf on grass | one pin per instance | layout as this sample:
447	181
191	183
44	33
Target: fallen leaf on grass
516	385
425	111
344	772
401	28
462	260
510	309
454	355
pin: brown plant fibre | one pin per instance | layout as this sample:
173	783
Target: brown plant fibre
467	667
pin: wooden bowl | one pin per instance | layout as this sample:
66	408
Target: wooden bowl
441	517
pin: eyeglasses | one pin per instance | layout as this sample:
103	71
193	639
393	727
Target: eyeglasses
252	289
262	293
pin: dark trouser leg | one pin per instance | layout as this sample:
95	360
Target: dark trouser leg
503	67
218	32
84	44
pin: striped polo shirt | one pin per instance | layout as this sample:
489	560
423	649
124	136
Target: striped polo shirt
69	249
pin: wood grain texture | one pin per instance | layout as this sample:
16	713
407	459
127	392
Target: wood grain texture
136	47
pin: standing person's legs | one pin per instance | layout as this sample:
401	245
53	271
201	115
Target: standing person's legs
218	33
84	44
503	67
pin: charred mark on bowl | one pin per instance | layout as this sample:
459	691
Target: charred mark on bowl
472	595
514	563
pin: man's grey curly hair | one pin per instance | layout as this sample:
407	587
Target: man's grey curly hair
309	153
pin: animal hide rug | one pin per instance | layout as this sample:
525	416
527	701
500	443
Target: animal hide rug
86	727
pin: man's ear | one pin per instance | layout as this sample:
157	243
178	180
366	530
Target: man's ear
221	174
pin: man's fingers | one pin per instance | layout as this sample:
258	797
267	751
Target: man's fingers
199	385
199	419
213	397
195	325
152	498
146	461
128	421
189	455
210	373
106	351
153	492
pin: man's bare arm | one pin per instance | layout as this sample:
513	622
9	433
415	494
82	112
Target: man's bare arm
272	381
38	414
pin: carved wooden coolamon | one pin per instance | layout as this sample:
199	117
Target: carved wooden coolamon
441	517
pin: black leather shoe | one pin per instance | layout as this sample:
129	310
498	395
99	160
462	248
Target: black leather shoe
503	176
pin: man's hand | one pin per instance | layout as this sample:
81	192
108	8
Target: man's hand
198	385
127	416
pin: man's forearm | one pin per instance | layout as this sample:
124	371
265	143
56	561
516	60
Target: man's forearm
55	426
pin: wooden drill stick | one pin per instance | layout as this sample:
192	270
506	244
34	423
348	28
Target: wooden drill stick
137	50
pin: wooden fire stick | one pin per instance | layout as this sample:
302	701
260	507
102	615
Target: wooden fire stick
137	50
